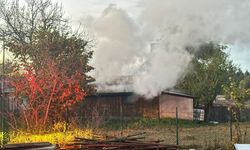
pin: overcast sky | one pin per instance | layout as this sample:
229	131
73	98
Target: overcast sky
76	10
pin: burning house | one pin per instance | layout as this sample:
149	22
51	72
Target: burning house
130	105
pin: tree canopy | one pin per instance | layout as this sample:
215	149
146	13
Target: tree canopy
52	61
211	69
38	30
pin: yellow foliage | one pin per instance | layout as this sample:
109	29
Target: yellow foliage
1	136
59	127
54	137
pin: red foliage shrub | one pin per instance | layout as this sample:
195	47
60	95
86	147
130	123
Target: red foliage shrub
44	95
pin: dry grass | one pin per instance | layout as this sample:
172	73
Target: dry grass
203	137
199	136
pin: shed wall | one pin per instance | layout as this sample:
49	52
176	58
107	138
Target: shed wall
130	106
119	105
168	104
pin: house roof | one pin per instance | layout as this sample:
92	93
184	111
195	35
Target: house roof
225	103
112	94
177	93
170	92
222	101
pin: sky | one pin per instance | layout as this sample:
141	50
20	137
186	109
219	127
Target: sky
140	45
78	10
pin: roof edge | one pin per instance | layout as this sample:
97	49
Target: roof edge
177	94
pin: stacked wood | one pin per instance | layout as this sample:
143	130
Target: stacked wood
130	142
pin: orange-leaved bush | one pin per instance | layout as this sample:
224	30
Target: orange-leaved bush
46	95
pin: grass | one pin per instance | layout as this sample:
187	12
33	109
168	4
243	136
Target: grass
196	135
148	123
209	136
191	134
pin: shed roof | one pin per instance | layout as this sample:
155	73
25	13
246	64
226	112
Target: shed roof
177	93
227	103
224	103
112	94
170	92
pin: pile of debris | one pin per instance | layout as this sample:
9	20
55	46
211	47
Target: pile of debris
129	142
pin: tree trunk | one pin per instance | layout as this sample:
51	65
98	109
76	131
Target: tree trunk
208	109
48	105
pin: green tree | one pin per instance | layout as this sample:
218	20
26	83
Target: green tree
37	30
239	94
19	21
247	73
211	69
70	52
239	76
245	83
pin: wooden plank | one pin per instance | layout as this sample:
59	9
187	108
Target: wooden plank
37	144
31	146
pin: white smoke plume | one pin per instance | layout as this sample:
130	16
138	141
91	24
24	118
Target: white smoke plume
147	54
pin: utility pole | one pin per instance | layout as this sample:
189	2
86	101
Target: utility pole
177	127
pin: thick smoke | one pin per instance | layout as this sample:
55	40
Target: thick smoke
147	54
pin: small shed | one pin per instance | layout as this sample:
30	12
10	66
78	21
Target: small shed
170	100
221	113
131	105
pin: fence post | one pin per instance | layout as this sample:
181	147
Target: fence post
121	116
231	126
2	131
177	127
